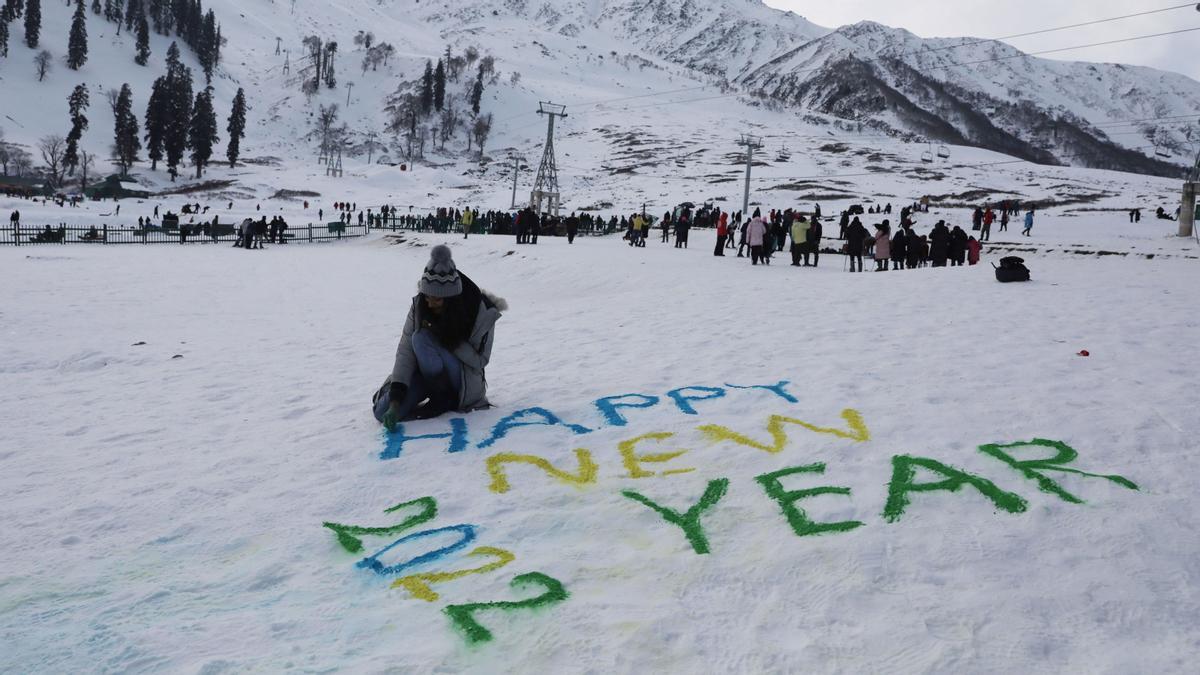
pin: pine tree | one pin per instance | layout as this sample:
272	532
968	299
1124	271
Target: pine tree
195	25
78	103
178	13
96	8
203	132
174	65
236	128
33	23
207	50
159	14
113	10
125	137
77	47
156	121
143	42
178	110
439	85
427	89
477	93
133	12
5	17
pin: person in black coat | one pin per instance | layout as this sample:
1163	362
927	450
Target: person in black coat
856	239
939	244
779	233
899	249
572	228
958	247
535	228
681	231
814	243
913	247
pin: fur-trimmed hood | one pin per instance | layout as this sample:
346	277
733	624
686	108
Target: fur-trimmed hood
494	300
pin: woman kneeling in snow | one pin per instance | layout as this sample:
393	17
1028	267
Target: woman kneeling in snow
446	346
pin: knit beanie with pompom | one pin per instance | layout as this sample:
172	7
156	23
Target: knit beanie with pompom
440	279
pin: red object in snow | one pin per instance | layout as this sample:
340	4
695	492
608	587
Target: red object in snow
1085	353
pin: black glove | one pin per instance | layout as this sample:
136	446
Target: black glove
397	391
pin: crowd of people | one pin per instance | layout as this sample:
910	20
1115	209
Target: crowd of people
760	236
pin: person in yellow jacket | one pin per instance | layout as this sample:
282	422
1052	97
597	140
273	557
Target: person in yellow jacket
799	239
468	220
639	231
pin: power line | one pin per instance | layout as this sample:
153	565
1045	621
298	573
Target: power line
1067	49
1146	119
1055	30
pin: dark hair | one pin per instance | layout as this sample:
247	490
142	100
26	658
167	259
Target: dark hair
453	325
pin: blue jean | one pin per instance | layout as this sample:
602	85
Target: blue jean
436	366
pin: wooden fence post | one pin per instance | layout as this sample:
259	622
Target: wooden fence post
104	240
310	233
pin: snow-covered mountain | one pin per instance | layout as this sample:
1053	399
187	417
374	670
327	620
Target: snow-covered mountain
991	95
961	90
742	53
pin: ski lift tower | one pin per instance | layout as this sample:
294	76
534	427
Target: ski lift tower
1187	214
751	143
545	188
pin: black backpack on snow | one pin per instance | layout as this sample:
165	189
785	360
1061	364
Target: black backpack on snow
1011	269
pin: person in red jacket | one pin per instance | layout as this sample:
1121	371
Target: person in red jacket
989	217
722	235
973	249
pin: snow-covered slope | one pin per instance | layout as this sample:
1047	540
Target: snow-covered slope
177	422
626	66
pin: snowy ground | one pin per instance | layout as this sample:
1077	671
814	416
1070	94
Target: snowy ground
164	500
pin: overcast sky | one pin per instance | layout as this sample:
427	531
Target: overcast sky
992	18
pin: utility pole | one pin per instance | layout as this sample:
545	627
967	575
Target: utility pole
545	188
751	143
278	45
370	146
349	88
516	160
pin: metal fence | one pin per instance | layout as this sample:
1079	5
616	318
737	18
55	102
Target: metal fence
20	235
23	235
